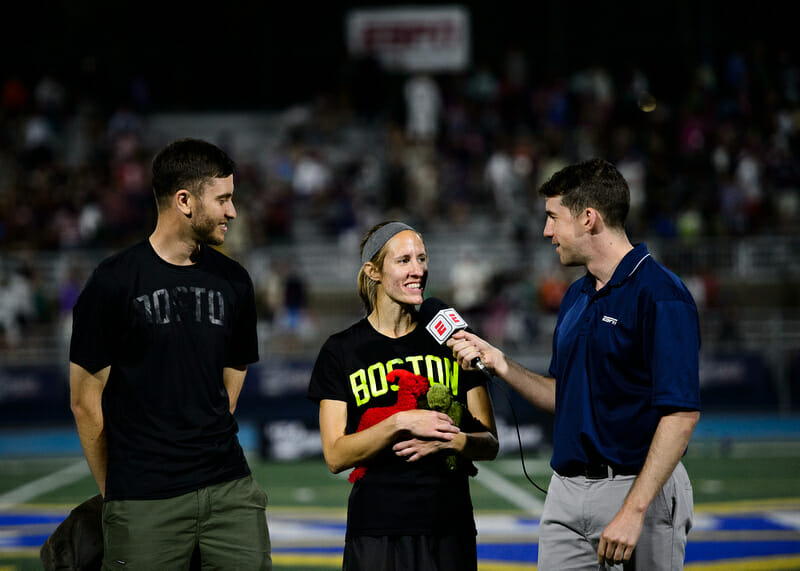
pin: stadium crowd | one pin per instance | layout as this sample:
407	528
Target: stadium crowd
723	159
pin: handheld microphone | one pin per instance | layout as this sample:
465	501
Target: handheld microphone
442	322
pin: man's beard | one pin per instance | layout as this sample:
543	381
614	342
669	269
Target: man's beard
206	229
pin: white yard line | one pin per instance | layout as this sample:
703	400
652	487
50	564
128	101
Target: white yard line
43	485
510	491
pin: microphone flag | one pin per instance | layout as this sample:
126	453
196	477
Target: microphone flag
446	322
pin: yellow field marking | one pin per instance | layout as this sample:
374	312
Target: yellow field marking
306	560
21	552
749	506
310	512
747	564
484	565
290	560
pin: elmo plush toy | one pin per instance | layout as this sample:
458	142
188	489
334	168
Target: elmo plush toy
415	391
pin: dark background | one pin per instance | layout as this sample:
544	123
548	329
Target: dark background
270	54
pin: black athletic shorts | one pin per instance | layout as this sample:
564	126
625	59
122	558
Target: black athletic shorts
407	552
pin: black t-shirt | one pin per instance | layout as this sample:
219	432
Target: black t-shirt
395	497
167	332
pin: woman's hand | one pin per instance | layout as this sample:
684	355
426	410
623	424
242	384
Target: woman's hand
427	424
415	448
433	431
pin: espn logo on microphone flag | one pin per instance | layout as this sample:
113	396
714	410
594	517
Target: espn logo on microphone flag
444	324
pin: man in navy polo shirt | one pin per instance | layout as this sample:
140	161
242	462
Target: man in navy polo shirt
623	385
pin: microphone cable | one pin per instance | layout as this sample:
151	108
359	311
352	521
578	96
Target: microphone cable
516	426
442	321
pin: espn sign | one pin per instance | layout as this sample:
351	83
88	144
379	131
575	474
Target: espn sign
444	324
412	39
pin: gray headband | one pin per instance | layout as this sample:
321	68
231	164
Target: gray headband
380	237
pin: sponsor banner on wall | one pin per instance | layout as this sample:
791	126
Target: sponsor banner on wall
719	370
411	39
34	394
739	381
32	383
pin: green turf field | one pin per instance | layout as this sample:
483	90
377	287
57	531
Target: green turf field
724	476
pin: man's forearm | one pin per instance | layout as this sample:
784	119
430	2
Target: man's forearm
86	401
666	449
95	449
233	379
621	535
537	389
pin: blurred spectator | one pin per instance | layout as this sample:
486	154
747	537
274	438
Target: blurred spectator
295	300
311	180
66	227
747	174
17	303
501	179
469	279
511	315
68	289
91	221
423	182
14	97
423	107
690	224
40	142
732	206
552	286
50	96
482	85
283	299
631	164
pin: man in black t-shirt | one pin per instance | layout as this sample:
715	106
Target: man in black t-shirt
162	336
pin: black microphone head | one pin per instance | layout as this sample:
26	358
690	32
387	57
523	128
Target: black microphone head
429	308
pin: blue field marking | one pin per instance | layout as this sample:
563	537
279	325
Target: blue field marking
697	551
12	520
508	552
503	538
329	550
761	522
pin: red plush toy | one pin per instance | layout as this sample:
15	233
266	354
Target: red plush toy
410	388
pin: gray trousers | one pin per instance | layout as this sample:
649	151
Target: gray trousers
578	509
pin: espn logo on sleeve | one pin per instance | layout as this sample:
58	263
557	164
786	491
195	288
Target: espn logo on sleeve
444	324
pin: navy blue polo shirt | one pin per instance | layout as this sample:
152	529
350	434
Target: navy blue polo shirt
621	356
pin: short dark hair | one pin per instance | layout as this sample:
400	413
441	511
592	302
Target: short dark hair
190	164
594	183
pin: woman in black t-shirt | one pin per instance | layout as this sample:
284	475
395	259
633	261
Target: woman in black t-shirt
411	509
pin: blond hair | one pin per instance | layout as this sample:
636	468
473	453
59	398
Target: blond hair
367	287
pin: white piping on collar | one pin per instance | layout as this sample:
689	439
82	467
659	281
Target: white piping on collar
636	267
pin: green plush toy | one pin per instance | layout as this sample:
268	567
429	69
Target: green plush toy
440	398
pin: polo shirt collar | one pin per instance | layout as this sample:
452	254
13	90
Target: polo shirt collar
628	266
